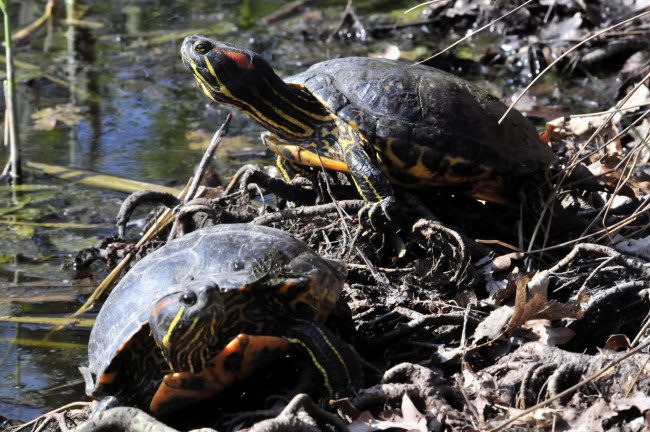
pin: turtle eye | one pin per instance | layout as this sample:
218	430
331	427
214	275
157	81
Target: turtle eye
202	47
188	298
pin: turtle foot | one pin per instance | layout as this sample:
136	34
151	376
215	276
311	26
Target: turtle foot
376	214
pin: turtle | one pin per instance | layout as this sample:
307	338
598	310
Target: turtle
382	121
209	309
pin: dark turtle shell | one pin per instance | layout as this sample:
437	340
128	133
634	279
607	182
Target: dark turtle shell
123	356
429	127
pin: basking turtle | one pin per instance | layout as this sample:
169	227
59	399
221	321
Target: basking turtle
382	121
206	310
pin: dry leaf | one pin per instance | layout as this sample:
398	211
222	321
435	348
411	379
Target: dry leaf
412	416
498	290
578	126
346	410
524	308
492	326
590	419
638	99
531	302
548	334
543	417
637	247
639	400
367	423
618	342
446	355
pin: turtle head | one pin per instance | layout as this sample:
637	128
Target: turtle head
243	79
186	323
226	73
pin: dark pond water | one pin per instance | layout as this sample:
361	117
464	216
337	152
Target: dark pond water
110	95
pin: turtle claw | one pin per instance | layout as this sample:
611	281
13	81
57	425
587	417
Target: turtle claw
370	214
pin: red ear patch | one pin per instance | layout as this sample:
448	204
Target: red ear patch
242	60
161	304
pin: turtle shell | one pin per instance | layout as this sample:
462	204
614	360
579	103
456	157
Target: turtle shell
429	127
230	257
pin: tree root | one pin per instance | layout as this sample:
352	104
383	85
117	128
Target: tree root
290	419
139	198
425	385
123	419
417	323
253	178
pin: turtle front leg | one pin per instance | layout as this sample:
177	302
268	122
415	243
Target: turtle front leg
303	154
242	356
346	154
372	184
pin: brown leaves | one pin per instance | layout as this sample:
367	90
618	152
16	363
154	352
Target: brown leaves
532	303
532	308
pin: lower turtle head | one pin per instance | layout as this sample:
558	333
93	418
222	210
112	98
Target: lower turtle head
186	323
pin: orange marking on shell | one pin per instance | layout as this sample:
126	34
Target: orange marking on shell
242	60
106	378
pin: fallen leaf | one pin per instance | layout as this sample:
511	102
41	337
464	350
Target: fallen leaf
590	419
549	335
67	114
543	417
346	410
638	99
637	247
531	302
640	401
618	342
367	423
411	415
492	326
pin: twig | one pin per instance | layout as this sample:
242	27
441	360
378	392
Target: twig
421	5
122	419
203	165
438	319
641	332
627	261
108	282
310	211
57	410
234	181
22	34
427	228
